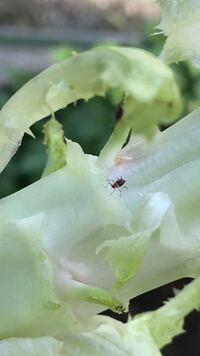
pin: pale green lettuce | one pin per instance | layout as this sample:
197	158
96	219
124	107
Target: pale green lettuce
146	233
81	225
180	21
69	245
148	86
54	139
40	346
146	334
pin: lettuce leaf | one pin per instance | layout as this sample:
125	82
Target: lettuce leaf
34	347
29	302
180	22
135	242
147	84
145	334
56	147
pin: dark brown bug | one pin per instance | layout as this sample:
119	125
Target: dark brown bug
116	184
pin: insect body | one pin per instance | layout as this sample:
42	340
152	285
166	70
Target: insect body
118	183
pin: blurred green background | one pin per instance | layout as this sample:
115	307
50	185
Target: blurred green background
36	34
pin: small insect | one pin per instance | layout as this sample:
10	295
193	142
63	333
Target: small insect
116	184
